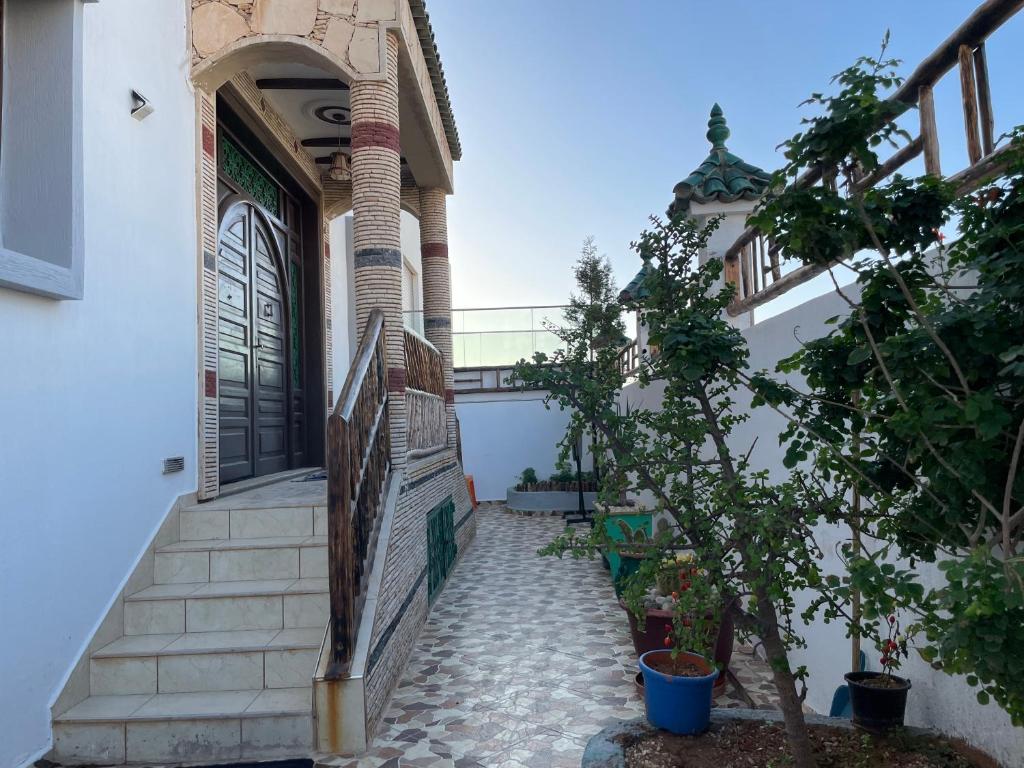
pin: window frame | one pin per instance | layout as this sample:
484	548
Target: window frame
52	268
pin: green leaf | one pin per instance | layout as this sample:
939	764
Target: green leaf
858	355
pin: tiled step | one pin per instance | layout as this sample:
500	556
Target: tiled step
281	557
186	727
218	606
206	521
206	661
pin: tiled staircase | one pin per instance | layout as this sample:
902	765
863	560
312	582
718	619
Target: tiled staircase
217	657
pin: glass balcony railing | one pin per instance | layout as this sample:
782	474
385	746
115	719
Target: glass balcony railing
499	336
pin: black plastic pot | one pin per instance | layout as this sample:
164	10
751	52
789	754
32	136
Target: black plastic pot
877	708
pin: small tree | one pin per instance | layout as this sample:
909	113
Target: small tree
916	398
594	332
752	540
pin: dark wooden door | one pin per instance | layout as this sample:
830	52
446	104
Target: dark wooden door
253	364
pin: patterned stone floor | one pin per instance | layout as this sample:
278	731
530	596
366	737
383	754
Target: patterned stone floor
522	659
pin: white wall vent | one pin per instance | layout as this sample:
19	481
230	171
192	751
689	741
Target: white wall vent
174	464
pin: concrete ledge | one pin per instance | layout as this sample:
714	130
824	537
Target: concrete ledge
548	501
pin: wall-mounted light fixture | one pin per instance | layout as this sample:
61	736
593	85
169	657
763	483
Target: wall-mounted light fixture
141	108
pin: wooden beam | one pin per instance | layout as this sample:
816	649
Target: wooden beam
985	20
983	171
732	273
303	83
929	132
786	282
969	95
903	156
984	100
329	142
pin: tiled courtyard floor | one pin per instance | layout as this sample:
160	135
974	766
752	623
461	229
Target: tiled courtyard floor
521	661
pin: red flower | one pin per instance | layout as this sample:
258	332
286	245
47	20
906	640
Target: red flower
668	642
884	659
892	618
675	595
685	585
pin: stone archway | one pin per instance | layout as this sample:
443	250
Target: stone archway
347	36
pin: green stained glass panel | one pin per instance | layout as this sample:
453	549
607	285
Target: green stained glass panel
293	279
248	176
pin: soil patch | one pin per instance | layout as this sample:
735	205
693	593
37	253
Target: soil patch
663	663
753	744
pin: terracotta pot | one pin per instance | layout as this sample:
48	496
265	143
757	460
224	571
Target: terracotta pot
659	624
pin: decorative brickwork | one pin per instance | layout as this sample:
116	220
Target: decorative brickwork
433	250
209	410
376	224
402	600
437	293
375	134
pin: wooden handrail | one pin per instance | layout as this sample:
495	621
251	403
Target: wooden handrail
965	48
358	464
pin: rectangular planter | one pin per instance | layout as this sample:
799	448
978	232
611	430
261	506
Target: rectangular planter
635	517
548	501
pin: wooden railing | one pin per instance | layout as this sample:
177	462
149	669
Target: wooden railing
487	379
358	463
756	266
423	367
426	421
629	359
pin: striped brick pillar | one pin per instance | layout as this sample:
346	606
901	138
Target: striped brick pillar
376	228
437	290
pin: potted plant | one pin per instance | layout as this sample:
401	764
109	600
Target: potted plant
879	699
675	575
678	684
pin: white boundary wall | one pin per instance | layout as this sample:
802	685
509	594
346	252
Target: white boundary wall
936	700
505	432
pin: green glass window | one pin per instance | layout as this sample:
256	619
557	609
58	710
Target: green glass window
249	176
294	297
441	548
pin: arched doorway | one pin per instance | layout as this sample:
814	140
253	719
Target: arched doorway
254	354
269	338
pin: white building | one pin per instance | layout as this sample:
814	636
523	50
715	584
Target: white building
182	294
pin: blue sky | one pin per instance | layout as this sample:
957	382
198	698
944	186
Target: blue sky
578	117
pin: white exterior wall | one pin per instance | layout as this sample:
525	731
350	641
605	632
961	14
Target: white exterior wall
936	700
343	296
503	433
97	392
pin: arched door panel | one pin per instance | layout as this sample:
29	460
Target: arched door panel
253	357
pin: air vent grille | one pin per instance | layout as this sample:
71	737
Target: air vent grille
174	464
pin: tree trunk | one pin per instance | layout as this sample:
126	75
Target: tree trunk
785	684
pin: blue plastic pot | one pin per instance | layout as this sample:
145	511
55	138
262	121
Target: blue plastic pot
678	704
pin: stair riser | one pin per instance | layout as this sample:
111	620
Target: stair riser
203	524
185	740
198	672
150	617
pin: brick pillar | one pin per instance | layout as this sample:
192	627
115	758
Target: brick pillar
376	229
437	291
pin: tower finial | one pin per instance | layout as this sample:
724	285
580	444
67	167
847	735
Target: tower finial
718	131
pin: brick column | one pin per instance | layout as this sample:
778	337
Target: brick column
376	228
437	291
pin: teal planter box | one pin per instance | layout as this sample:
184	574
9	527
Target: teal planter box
635	518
